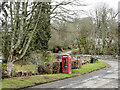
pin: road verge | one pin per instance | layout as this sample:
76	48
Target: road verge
24	82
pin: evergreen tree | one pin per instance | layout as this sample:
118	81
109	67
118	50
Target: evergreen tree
43	33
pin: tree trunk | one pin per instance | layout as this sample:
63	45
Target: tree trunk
10	65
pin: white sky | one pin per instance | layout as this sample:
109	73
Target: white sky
110	3
91	4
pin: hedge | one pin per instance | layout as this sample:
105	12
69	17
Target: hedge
56	67
45	68
76	64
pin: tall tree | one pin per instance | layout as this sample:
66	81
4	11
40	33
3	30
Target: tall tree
21	22
43	33
19	27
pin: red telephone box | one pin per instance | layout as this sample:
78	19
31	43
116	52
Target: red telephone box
66	64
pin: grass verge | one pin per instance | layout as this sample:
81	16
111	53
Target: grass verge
25	67
0	85
89	67
19	82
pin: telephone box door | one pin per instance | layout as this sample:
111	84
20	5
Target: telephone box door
66	64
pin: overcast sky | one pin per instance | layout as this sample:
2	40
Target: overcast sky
91	4
110	3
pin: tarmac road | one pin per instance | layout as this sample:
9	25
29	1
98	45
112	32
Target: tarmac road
103	78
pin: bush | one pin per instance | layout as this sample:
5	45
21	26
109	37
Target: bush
56	67
93	60
101	53
70	47
75	52
56	49
65	48
79	63
48	68
76	64
60	67
4	74
86	61
41	68
4	71
18	74
4	66
75	46
48	58
45	68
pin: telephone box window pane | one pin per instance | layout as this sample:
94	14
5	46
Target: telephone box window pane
65	65
70	65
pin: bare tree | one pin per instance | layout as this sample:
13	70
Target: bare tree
19	25
106	26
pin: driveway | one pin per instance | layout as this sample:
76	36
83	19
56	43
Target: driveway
103	78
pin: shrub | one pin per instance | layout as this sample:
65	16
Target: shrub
79	63
48	58
41	68
58	58
86	61
45	68
65	48
4	74
60	67
34	58
56	49
75	52
61	49
29	73
76	64
4	71
19	74
70	47
93	60
4	66
56	67
48	68
75	46
101	53
25	74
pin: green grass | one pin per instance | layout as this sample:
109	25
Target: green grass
0	85
18	82
25	67
4	66
89	67
18	67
